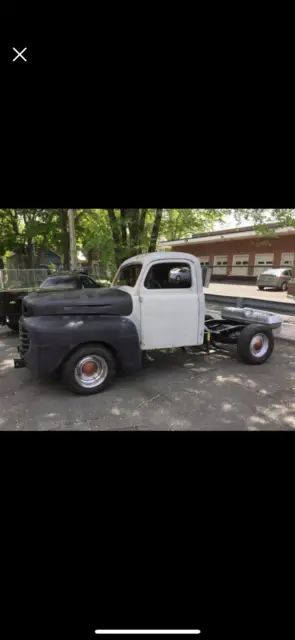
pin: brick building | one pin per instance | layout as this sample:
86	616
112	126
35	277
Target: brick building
239	254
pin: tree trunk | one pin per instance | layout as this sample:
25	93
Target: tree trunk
89	257
123	227
116	233
128	230
141	229
30	254
65	239
72	239
133	226
155	230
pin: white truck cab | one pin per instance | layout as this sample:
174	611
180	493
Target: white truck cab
168	298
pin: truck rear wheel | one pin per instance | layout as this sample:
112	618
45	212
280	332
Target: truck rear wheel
89	370
255	344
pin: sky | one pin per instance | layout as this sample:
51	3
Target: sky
231	223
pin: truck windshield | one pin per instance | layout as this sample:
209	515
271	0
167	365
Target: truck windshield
128	276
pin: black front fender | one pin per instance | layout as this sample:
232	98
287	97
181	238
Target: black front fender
54	338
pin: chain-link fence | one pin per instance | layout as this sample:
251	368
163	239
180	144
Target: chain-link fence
99	272
21	278
94	271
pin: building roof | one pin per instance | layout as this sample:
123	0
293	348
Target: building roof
227	234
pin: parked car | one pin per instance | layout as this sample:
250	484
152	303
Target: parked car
180	275
274	279
69	281
11	300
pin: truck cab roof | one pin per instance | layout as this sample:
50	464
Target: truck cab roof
146	258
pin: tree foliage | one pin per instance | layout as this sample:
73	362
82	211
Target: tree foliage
262	218
122	233
21	230
116	234
182	223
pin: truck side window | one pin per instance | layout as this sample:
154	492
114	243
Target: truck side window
169	275
128	275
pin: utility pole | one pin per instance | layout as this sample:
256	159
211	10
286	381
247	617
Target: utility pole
72	233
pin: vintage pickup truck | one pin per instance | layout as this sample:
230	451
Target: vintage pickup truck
86	335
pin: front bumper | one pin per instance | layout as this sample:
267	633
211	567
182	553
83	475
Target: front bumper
19	362
273	284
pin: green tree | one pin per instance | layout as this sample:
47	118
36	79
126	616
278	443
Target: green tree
132	230
261	218
116	234
121	233
182	223
29	232
94	233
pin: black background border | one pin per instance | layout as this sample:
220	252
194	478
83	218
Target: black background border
143	529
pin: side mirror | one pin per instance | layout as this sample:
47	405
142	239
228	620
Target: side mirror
206	276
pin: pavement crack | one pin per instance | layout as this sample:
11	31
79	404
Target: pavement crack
149	400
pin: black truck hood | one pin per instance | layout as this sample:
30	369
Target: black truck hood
110	301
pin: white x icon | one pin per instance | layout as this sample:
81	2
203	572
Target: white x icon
19	54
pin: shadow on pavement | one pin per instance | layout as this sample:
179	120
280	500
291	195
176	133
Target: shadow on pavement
173	391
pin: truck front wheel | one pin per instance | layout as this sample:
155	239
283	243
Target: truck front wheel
255	344
12	324
89	370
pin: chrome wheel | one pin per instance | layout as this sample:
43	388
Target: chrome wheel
91	371
259	345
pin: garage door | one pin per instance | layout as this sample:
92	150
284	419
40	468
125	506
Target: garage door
240	265
204	260
262	262
287	259
220	265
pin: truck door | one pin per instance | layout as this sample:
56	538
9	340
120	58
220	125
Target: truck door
169	305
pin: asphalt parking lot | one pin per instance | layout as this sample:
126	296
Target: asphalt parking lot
173	391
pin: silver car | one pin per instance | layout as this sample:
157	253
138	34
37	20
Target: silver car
180	274
274	279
